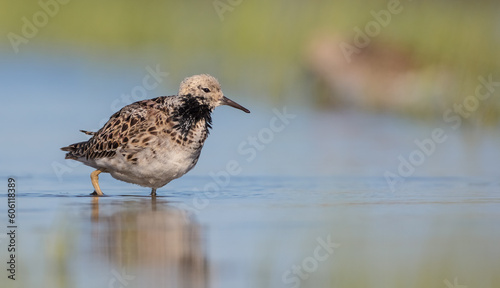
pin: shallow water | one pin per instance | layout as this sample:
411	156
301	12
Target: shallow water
296	226
252	233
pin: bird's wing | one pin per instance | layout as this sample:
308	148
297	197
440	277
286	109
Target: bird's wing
128	131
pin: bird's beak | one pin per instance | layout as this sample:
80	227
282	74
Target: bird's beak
229	102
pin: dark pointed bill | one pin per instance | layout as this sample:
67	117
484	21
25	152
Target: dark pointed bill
229	102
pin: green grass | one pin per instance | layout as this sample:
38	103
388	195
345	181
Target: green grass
267	40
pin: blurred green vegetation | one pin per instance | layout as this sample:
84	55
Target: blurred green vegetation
267	40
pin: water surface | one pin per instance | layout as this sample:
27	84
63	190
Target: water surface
253	233
309	205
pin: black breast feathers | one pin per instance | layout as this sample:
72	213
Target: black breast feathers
189	113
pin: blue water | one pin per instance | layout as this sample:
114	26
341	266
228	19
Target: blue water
249	233
249	214
47	99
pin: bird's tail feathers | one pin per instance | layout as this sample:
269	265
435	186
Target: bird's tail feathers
88	132
75	151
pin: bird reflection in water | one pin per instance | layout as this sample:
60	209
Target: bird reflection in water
149	243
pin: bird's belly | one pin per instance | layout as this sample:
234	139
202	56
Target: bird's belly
153	169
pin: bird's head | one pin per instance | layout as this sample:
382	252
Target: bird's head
206	89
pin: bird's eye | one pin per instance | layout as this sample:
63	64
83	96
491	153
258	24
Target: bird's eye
206	90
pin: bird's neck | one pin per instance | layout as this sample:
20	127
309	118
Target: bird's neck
192	114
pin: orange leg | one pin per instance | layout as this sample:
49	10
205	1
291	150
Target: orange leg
94	176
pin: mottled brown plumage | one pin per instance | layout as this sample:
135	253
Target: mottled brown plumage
152	142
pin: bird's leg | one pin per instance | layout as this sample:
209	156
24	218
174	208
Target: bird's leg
94	176
153	192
